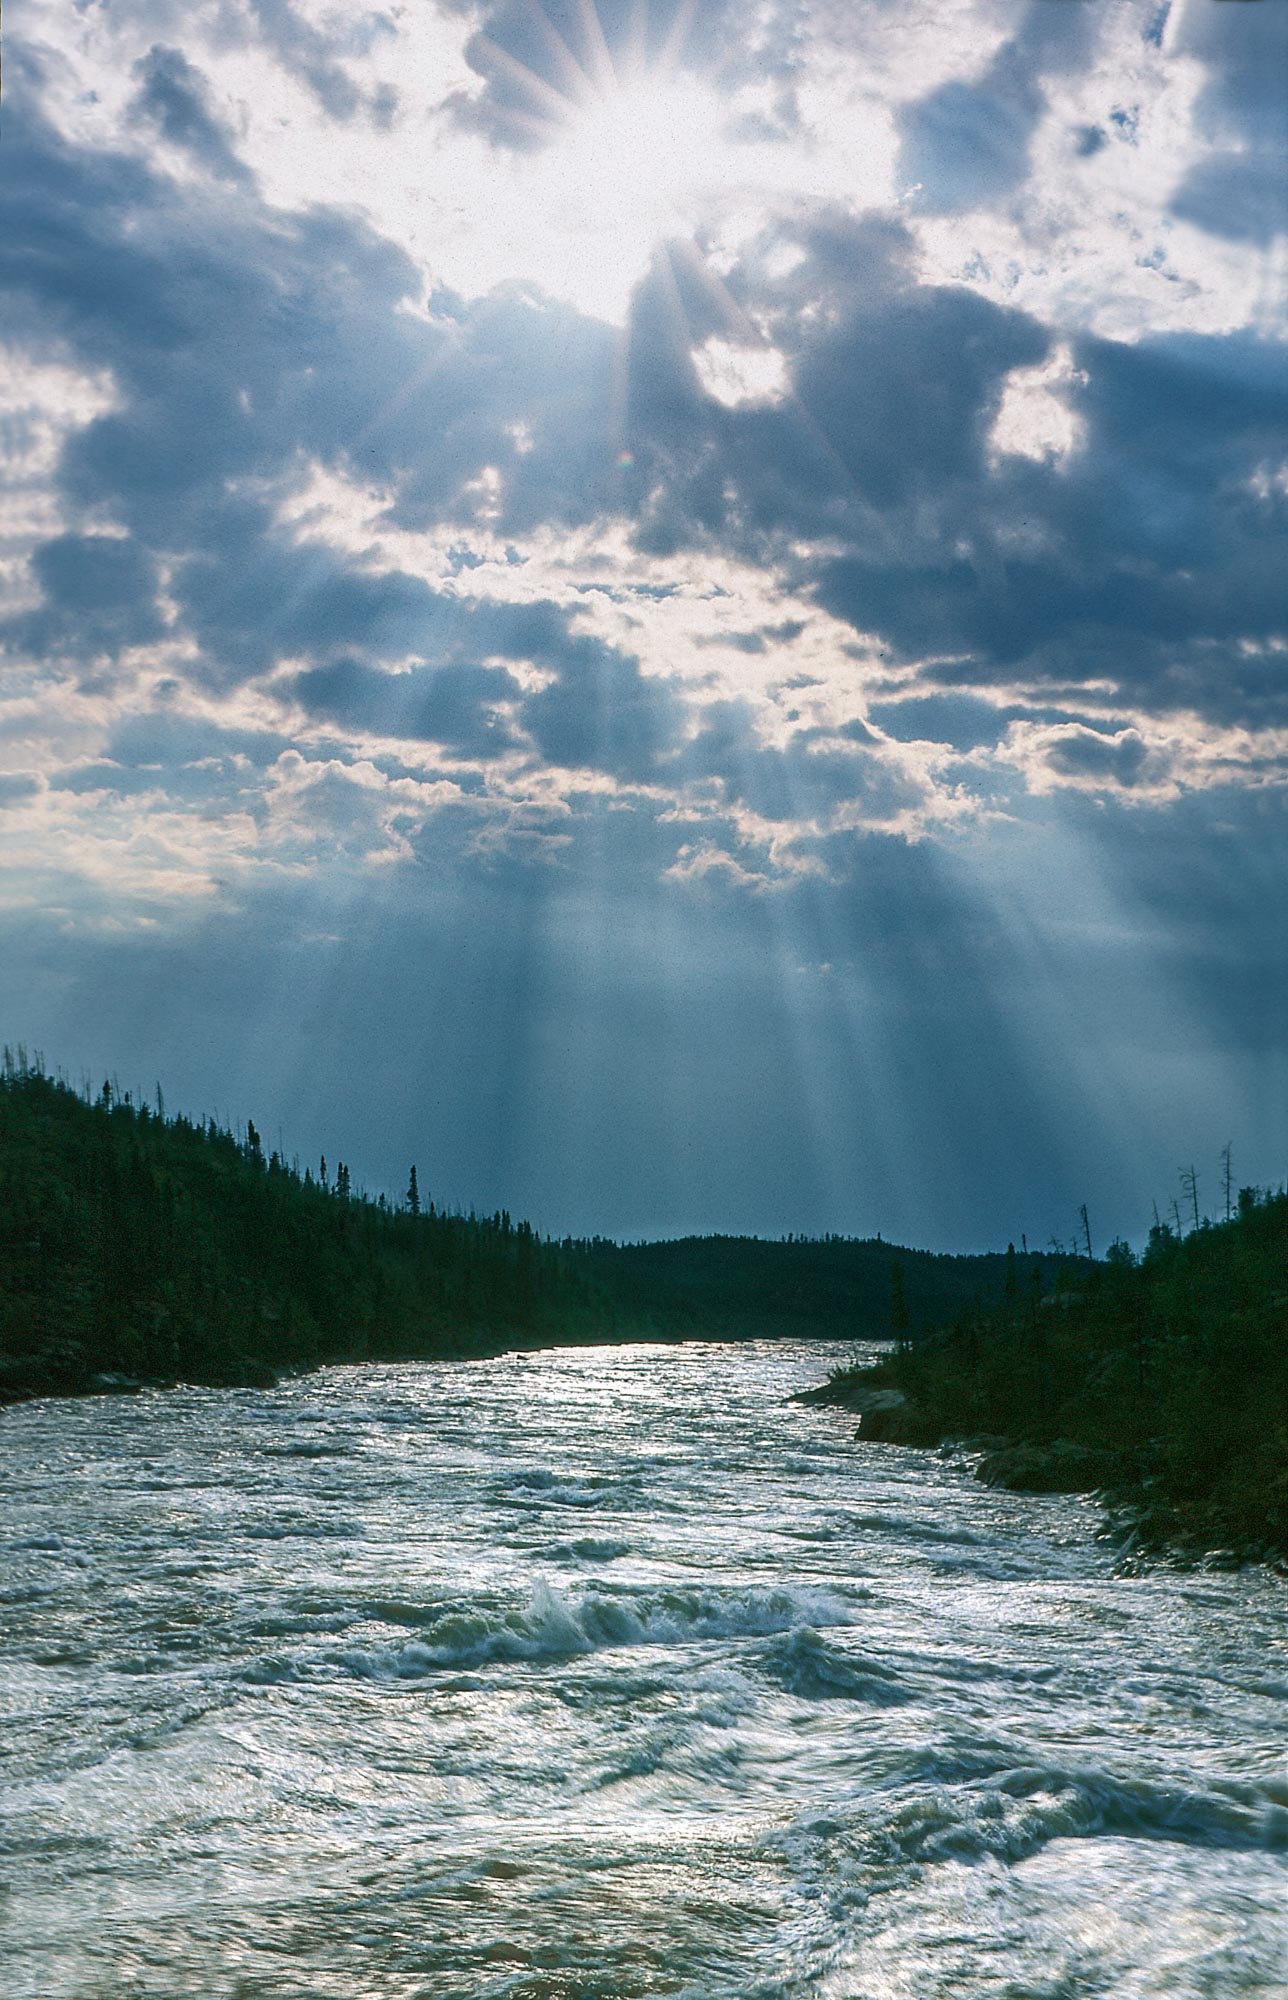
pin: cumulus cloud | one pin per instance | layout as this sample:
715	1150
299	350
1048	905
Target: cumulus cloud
966	144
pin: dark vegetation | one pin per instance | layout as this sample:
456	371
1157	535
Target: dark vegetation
805	1287
153	1248
1162	1380
140	1247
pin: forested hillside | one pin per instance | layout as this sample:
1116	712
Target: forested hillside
139	1245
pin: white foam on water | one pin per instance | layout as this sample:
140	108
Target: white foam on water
556	1626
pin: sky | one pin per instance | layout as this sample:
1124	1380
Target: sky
676	613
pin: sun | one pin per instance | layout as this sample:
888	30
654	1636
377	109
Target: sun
632	166
640	158
596	156
613	151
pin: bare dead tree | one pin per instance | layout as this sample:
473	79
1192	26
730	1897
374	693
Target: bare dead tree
1227	1174
1190	1188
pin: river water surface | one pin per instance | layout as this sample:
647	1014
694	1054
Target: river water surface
602	1673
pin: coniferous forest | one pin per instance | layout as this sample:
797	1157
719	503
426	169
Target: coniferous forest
158	1248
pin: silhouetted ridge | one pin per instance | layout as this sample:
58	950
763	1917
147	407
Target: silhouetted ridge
826	1287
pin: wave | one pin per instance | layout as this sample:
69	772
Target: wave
551	1626
537	1486
1017	1812
588	1548
803	1663
910	1529
303	1528
306	1448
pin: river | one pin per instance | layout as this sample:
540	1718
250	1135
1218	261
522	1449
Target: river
601	1673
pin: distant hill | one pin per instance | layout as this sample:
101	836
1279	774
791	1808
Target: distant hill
832	1287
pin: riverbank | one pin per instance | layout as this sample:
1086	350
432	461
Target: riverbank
1161	1385
72	1369
1139	1515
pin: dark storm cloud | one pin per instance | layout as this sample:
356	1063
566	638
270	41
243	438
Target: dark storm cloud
597	710
1241	196
251	597
451	705
895	386
1087	753
191	759
166	741
960	720
238	340
1165	549
604	714
905	387
242	345
172	94
99	595
1147	556
814	772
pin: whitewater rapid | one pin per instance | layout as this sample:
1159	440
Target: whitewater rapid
605	1673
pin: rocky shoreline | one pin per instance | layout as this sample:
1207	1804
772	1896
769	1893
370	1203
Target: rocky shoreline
1135	1518
888	1416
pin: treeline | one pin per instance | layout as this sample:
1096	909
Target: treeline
830	1287
1163	1379
138	1245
